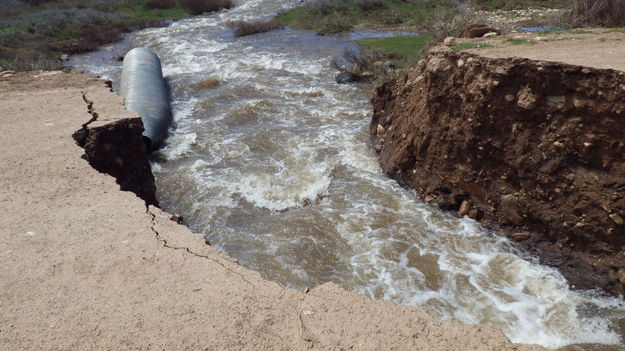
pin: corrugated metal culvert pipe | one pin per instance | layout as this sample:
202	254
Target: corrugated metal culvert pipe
145	92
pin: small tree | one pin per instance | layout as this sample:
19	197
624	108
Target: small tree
197	7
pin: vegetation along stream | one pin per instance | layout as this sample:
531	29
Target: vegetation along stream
270	160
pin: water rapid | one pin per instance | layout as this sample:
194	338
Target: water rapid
270	160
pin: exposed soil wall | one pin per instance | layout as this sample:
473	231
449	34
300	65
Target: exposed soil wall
118	149
533	148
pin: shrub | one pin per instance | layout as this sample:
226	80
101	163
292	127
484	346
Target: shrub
606	13
445	23
51	21
38	2
102	5
335	24
92	38
161	4
366	64
521	4
325	7
242	28
9	8
370	5
197	7
22	65
11	38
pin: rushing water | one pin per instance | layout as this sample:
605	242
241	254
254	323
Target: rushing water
270	160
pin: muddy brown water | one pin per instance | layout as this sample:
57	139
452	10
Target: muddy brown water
270	160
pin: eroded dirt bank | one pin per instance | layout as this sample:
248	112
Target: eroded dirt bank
532	147
86	266
118	149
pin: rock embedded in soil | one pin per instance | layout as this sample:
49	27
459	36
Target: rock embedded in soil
465	208
617	219
450	41
535	147
522	236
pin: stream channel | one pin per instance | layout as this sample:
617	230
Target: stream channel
270	160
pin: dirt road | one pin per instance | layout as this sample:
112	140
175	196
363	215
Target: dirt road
599	48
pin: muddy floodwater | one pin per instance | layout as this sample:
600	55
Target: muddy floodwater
270	160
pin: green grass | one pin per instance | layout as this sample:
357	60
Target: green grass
341	16
40	34
468	46
304	18
401	52
401	47
404	52
520	41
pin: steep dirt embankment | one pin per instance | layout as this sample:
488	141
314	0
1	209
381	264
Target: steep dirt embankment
118	149
535	148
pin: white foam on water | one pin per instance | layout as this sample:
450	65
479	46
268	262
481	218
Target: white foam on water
601	301
183	110
360	159
534	305
276	193
180	144
156	167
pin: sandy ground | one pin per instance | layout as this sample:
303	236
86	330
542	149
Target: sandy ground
599	48
87	267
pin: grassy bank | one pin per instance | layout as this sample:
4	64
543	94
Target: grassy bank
433	19
397	47
335	16
385	58
34	34
437	19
